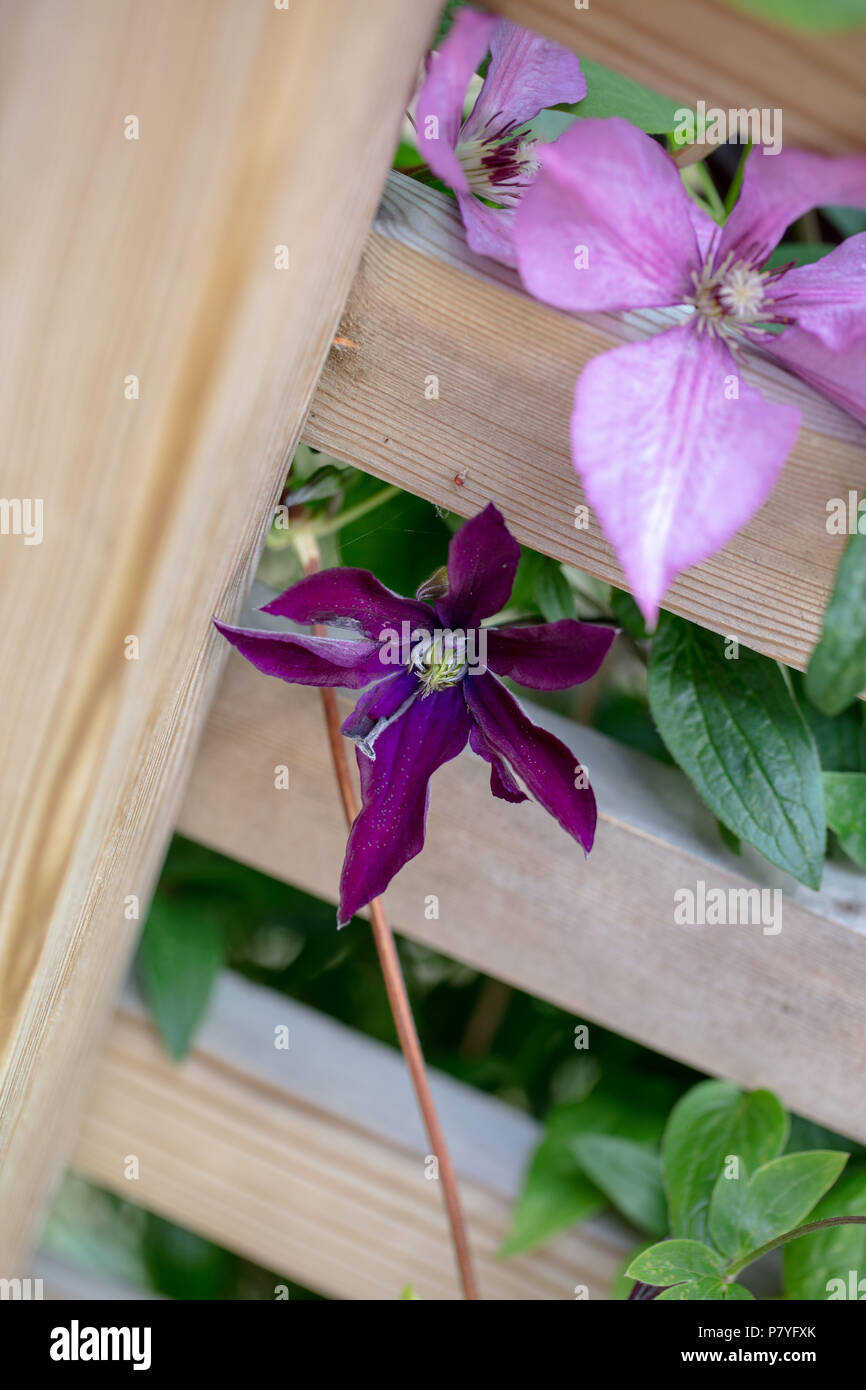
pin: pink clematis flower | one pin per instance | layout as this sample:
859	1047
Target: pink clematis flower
485	159
675	450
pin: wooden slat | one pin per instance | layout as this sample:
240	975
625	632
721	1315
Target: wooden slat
424	305
713	51
154	257
311	1160
517	899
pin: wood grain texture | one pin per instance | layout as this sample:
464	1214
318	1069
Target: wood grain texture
423	304
517	899
155	257
311	1160
709	50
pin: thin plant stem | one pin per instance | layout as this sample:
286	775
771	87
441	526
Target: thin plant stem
798	1231
398	999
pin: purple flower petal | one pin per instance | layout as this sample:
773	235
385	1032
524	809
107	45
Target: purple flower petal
828	298
779	188
389	829
502	783
526	74
551	656
439	109
303	660
840	376
350	597
548	768
489	231
671	464
377	707
482	562
606	187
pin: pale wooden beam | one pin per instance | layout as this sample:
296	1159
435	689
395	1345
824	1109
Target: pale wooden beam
423	305
517	899
713	51
156	258
311	1160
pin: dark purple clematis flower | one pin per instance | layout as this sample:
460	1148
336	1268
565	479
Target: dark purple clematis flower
430	689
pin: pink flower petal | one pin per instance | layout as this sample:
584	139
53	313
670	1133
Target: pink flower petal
439	109
606	187
779	188
489	231
526	74
671	465
841	376
828	298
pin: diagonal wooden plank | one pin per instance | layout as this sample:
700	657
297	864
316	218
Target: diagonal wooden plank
154	257
423	306
713	51
598	937
311	1160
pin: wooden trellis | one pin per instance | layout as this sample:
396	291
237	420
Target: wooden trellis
206	252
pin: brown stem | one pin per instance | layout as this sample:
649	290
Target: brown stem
401	1009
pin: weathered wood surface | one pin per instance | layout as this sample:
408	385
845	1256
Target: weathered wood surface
423	305
155	258
311	1160
517	899
712	51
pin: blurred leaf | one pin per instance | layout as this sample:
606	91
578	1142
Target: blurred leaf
556	1195
180	955
837	669
800	252
735	729
608	93
824	18
747	1212
630	1176
553	591
409	1294
712	1121
813	1261
401	542
627	719
622	1285
729	839
627	615
848	221
840	738
184	1265
325	482
845	800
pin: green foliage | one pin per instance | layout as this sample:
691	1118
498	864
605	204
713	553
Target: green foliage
800	252
845	800
824	18
180	955
813	1262
735	728
747	1212
837	670
608	93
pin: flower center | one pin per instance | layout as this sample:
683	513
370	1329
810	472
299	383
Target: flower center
731	296
439	661
499	168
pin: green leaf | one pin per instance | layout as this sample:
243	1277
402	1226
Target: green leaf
734	727
629	1175
813	1261
804	15
800	252
837	670
409	1295
747	1212
608	93
712	1121
553	592
729	839
840	738
555	1196
735	1293
671	1261
848	221
627	614
845	800
695	1291
180	955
